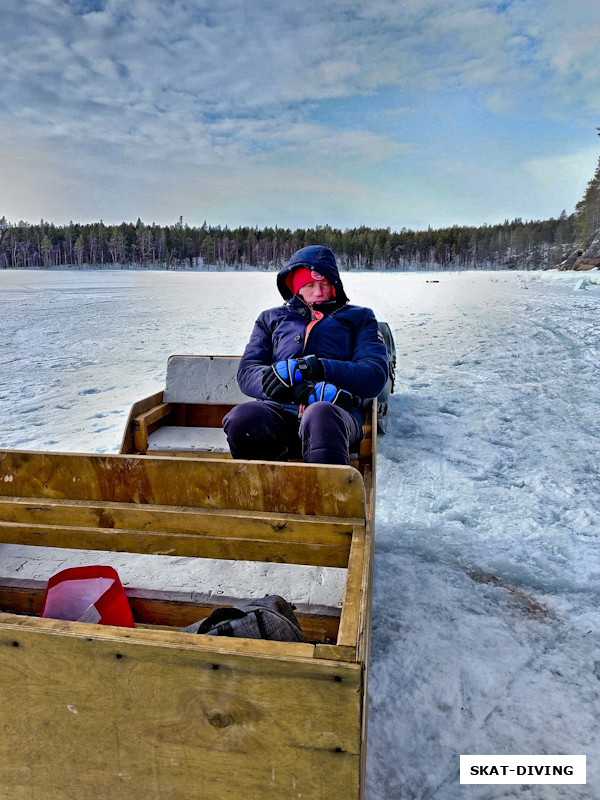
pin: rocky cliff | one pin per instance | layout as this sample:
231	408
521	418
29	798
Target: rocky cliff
584	259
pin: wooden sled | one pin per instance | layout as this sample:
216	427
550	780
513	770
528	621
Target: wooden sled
154	713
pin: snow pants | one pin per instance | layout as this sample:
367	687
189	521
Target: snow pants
268	431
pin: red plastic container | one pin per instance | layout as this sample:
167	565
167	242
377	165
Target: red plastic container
87	594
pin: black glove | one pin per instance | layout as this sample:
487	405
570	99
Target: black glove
301	393
278	379
277	385
311	368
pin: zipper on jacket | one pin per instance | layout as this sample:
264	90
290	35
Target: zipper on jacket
316	319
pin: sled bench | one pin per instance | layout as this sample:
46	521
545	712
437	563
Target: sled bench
187	416
185	419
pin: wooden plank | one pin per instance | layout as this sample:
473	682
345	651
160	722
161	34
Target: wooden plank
363	649
153	611
105	713
366	445
349	621
297	652
181	413
16	599
208	483
146	422
154	414
140	435
167	543
26	597
127	443
366	589
336	652
204	454
206	416
213	521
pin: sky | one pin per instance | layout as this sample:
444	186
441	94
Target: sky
297	113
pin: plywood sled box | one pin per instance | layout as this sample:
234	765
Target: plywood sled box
93	711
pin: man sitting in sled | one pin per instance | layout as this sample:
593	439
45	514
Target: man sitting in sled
312	363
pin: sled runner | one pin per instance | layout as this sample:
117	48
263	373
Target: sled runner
102	711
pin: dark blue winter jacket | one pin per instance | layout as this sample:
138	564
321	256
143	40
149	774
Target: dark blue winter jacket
346	338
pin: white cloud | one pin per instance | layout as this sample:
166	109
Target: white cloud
258	58
309	141
571	171
122	97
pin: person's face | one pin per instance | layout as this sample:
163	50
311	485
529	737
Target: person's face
316	292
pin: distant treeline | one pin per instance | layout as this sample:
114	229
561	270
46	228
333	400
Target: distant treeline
510	245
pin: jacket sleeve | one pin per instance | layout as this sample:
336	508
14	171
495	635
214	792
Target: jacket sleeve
366	372
257	355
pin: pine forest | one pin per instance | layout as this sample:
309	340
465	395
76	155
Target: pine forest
515	244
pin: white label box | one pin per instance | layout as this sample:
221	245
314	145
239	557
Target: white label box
523	769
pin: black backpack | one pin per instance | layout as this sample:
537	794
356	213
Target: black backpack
272	617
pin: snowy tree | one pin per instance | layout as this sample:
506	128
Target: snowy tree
587	211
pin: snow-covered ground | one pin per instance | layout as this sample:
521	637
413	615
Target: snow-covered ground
487	577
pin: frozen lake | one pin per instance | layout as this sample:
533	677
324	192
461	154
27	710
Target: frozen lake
487	574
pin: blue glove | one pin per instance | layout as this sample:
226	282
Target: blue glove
287	371
287	381
329	393
283	383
